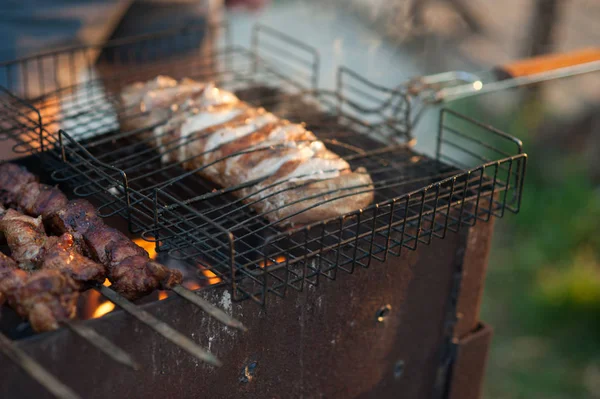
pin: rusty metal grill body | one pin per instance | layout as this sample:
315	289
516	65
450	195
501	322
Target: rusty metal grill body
325	341
475	173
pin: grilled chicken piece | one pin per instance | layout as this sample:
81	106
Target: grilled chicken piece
12	179
60	254
25	236
296	179
146	104
46	297
41	199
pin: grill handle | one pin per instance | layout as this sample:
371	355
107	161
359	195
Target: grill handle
450	86
548	63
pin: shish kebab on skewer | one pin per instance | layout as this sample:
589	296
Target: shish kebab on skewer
48	296
128	266
132	273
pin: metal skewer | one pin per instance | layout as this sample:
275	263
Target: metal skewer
208	307
35	370
160	327
92	337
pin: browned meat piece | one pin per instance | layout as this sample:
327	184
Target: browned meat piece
109	246
137	276
12	280
60	254
25	236
7	265
45	297
12	179
75	218
130	271
40	199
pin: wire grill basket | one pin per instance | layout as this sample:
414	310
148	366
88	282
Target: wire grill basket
476	171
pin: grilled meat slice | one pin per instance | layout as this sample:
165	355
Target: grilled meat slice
41	199
12	179
25	236
45	297
60	254
137	276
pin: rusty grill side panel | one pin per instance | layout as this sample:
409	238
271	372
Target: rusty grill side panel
300	345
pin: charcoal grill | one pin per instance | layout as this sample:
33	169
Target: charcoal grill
71	121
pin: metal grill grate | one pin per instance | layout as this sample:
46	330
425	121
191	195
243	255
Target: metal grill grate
477	171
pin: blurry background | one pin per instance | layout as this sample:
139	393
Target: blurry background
542	293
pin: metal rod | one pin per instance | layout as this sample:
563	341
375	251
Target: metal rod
160	327
209	308
92	337
35	370
454	93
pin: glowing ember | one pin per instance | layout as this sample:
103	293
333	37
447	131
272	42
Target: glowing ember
106	283
210	277
192	285
278	260
103	309
150	247
162	295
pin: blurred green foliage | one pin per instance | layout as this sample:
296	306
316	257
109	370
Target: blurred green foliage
542	292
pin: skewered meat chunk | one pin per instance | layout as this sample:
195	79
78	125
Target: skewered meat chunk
46	297
60	254
12	179
41	199
297	180
129	268
31	248
75	218
7	265
25	236
137	276
109	246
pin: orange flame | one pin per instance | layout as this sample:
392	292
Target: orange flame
278	260
162	295
192	285
103	309
149	246
211	277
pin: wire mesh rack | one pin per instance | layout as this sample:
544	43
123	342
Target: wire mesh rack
476	172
